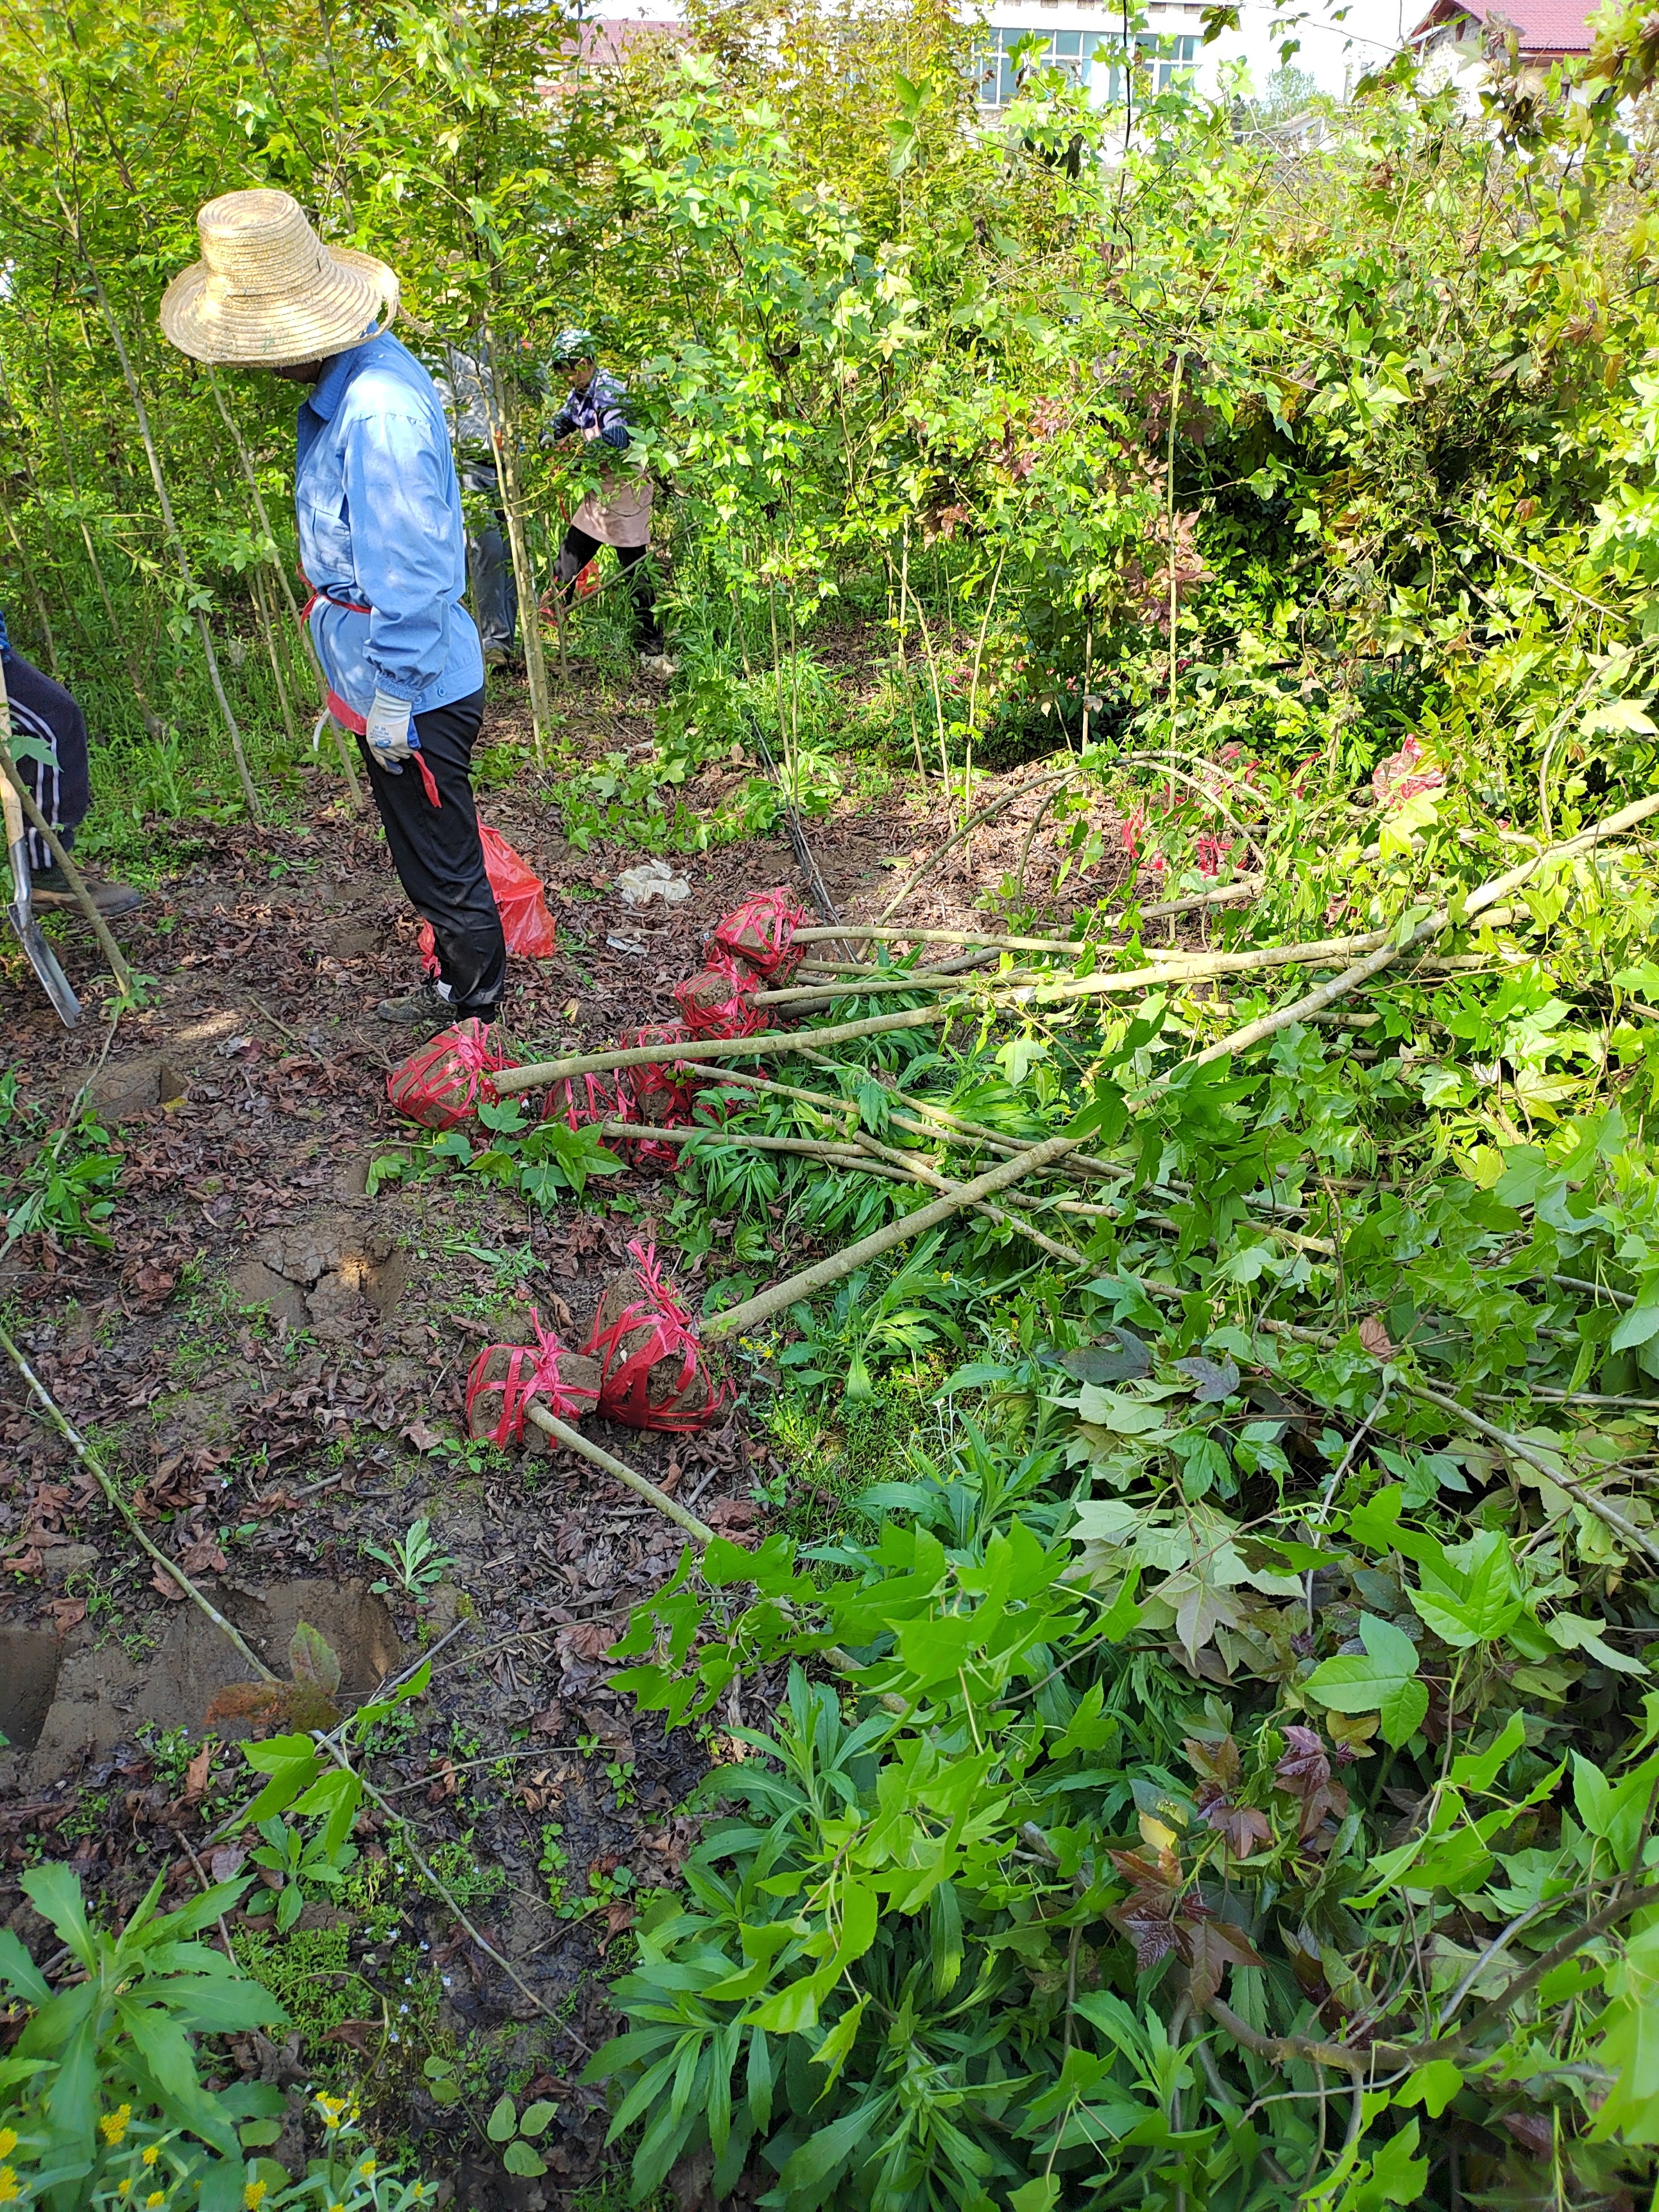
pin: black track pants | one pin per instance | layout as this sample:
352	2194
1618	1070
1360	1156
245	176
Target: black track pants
44	712
579	549
439	859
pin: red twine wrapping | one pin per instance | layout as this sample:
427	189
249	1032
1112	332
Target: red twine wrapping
576	1100
761	933
444	1083
720	1002
652	1328
531	1373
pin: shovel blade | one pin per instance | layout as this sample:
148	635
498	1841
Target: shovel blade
44	961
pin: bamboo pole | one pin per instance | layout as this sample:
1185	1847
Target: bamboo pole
899	935
864	1154
1479	900
502	434
573	1440
89	1459
169	524
783	1295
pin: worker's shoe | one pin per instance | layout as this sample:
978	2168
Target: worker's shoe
425	1008
51	891
658	664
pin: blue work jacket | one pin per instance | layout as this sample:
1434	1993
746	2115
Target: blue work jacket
381	542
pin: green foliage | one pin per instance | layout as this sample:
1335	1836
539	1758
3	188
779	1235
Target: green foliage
295	1864
59	1184
115	2042
418	1563
309	1972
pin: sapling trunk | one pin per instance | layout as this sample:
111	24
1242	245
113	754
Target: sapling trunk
840	1265
169	524
268	634
42	619
503	432
1484	895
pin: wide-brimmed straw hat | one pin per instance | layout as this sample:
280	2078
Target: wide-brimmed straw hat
268	294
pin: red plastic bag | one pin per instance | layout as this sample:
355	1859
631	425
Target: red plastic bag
568	1383
651	1363
576	1100
761	933
445	1081
720	1001
526	922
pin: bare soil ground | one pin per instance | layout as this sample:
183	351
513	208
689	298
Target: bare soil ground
271	1364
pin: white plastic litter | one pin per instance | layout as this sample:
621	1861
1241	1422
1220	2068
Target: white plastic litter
652	880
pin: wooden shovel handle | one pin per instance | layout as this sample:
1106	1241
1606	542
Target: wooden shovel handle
9	802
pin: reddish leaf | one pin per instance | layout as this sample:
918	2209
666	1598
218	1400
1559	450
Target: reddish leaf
1376	1338
1217	1763
1242	1825
66	1613
1532	2131
423	1438
1152	1932
196	1774
1306	1764
203	1557
163	1584
1210	1945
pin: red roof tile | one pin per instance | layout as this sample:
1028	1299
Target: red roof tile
1547	27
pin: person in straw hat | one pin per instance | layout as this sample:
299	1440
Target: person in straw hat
382	546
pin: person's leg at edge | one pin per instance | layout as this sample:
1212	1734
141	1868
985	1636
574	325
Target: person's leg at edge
440	863
490	586
637	566
44	712
577	550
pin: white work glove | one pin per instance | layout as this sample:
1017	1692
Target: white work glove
391	732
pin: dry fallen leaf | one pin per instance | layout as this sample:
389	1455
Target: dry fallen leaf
1376	1338
423	1438
66	1613
161	1581
226	1862
196	1774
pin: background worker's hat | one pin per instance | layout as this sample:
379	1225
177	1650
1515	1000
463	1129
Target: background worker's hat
268	294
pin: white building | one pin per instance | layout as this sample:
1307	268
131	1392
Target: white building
1083	37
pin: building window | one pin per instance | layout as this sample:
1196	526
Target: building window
1169	60
1070	51
1166	61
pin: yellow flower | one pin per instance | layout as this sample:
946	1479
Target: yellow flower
156	2196
253	2196
125	2188
366	2168
8	2141
113	2125
9	2190
151	2153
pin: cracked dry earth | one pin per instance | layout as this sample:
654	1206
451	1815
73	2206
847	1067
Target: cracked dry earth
271	1363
